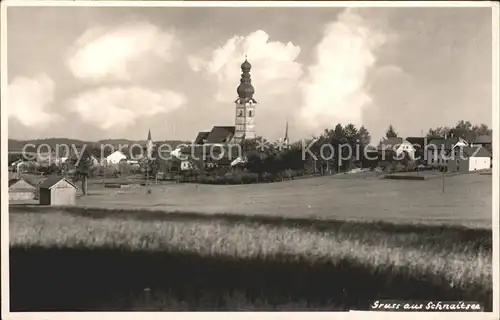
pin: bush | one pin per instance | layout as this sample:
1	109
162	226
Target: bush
267	177
287	174
233	178
229	178
249	177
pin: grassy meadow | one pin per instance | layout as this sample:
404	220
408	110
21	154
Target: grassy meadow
90	260
466	201
314	244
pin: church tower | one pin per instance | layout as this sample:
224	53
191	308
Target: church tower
245	106
149	146
286	142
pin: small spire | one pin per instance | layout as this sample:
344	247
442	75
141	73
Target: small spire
149	135
286	131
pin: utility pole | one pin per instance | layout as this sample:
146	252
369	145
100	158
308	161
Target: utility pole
148	190
444	174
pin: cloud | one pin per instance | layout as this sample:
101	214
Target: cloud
103	53
274	69
28	100
117	108
335	86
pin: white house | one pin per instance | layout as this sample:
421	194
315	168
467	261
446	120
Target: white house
115	157
237	161
177	152
398	145
438	151
186	165
469	159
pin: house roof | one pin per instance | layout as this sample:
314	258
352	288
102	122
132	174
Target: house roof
475	152
483	139
231	151
117	152
74	156
13	181
416	141
390	143
202	135
16	180
35	180
446	144
53	180
220	134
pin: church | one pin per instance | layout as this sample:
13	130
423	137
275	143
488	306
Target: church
244	127
224	143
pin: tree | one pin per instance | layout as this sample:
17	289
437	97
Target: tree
351	133
352	139
254	162
437	133
364	136
391	133
83	166
463	129
364	142
339	133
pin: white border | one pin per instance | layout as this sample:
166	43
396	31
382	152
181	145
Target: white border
495	73
249	315
342	4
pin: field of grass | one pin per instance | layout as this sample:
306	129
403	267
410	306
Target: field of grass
97	259
467	199
327	243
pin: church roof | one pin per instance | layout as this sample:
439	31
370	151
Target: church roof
221	134
201	136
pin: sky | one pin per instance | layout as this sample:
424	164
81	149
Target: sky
95	73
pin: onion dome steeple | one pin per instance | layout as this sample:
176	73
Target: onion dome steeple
245	90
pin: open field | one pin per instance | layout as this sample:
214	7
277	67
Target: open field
104	260
175	249
467	199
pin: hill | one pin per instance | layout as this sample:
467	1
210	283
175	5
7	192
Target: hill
18	145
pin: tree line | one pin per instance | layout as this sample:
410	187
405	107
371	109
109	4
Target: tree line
273	159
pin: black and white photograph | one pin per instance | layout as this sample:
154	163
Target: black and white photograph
252	156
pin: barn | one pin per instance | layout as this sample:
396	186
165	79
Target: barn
57	191
20	189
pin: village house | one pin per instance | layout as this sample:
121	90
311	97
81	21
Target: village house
115	157
485	141
419	144
21	190
73	157
206	156
468	158
439	150
25	166
396	147
56	190
48	158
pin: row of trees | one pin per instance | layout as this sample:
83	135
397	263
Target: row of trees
273	159
320	159
463	129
